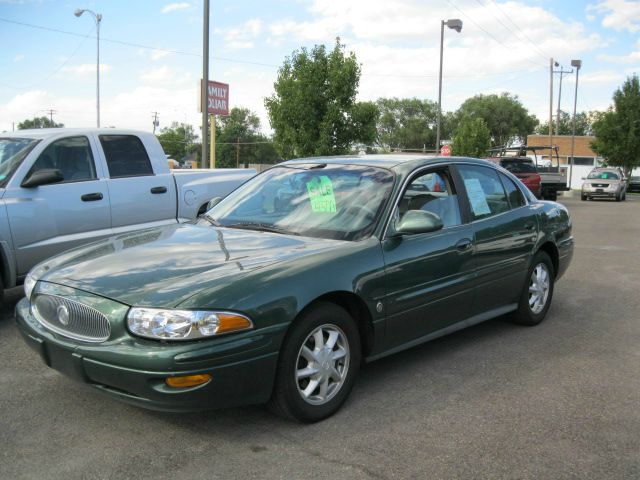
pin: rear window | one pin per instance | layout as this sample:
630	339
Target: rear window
126	156
518	166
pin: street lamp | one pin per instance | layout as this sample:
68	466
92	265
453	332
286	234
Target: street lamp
97	17
576	64
456	25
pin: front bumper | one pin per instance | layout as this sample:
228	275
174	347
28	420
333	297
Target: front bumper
242	367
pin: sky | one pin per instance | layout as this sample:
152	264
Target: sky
151	53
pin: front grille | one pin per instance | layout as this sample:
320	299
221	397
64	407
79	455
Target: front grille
600	185
70	318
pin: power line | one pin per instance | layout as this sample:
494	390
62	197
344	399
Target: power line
485	31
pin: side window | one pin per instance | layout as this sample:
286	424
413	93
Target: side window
72	156
484	190
126	156
433	192
513	192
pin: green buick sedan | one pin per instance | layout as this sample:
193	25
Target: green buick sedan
281	290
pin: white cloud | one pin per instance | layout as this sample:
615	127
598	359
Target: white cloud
18	58
158	54
602	77
618	14
86	69
157	75
172	7
241	37
629	58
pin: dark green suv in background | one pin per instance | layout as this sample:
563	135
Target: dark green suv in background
282	289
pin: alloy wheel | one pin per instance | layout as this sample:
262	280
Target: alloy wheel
322	364
539	287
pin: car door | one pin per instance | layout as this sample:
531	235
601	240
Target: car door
505	229
49	219
429	276
139	197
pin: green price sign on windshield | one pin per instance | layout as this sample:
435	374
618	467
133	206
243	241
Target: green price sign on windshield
321	195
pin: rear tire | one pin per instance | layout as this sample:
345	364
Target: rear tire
537	292
318	364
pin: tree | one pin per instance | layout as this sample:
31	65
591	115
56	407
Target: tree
584	124
239	141
508	121
406	123
617	131
178	140
313	109
472	138
39	122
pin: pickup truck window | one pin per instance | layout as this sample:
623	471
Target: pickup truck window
12	152
72	156
126	156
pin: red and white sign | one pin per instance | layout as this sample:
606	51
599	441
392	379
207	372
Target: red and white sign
217	98
445	151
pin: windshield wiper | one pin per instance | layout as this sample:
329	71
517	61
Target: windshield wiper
262	227
211	220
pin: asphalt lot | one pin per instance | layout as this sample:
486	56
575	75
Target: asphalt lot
560	400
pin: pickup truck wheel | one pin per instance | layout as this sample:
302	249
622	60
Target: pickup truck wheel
537	292
553	196
318	364
1	291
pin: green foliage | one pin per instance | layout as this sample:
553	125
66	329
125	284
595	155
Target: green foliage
178	140
584	124
472	138
39	122
508	121
617	131
239	141
313	109
406	123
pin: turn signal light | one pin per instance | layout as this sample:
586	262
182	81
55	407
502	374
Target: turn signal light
229	322
188	380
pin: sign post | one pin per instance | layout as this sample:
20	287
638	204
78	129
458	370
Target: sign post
217	104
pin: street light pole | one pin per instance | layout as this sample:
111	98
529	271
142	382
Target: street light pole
577	64
456	25
98	18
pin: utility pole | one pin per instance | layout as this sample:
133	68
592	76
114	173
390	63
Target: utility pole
205	81
562	73
155	121
51	111
551	111
237	152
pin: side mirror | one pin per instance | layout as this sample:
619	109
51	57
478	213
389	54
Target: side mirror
418	221
213	202
42	177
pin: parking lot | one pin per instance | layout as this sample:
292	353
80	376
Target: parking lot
561	400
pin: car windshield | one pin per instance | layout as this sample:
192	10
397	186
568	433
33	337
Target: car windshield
341	202
518	166
604	176
12	152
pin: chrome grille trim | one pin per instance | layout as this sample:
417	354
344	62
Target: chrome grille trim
85	323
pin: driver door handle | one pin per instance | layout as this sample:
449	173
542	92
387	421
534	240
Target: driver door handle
159	190
464	244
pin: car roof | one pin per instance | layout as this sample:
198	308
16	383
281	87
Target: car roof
391	161
40	133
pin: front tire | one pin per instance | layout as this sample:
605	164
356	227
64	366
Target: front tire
318	364
583	197
537	292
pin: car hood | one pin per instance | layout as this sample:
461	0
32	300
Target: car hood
602	181
164	266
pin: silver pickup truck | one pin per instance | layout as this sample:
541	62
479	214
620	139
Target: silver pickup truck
60	188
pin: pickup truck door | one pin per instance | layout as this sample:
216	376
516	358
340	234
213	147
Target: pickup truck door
49	219
139	197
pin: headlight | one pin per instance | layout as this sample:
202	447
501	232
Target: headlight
166	324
